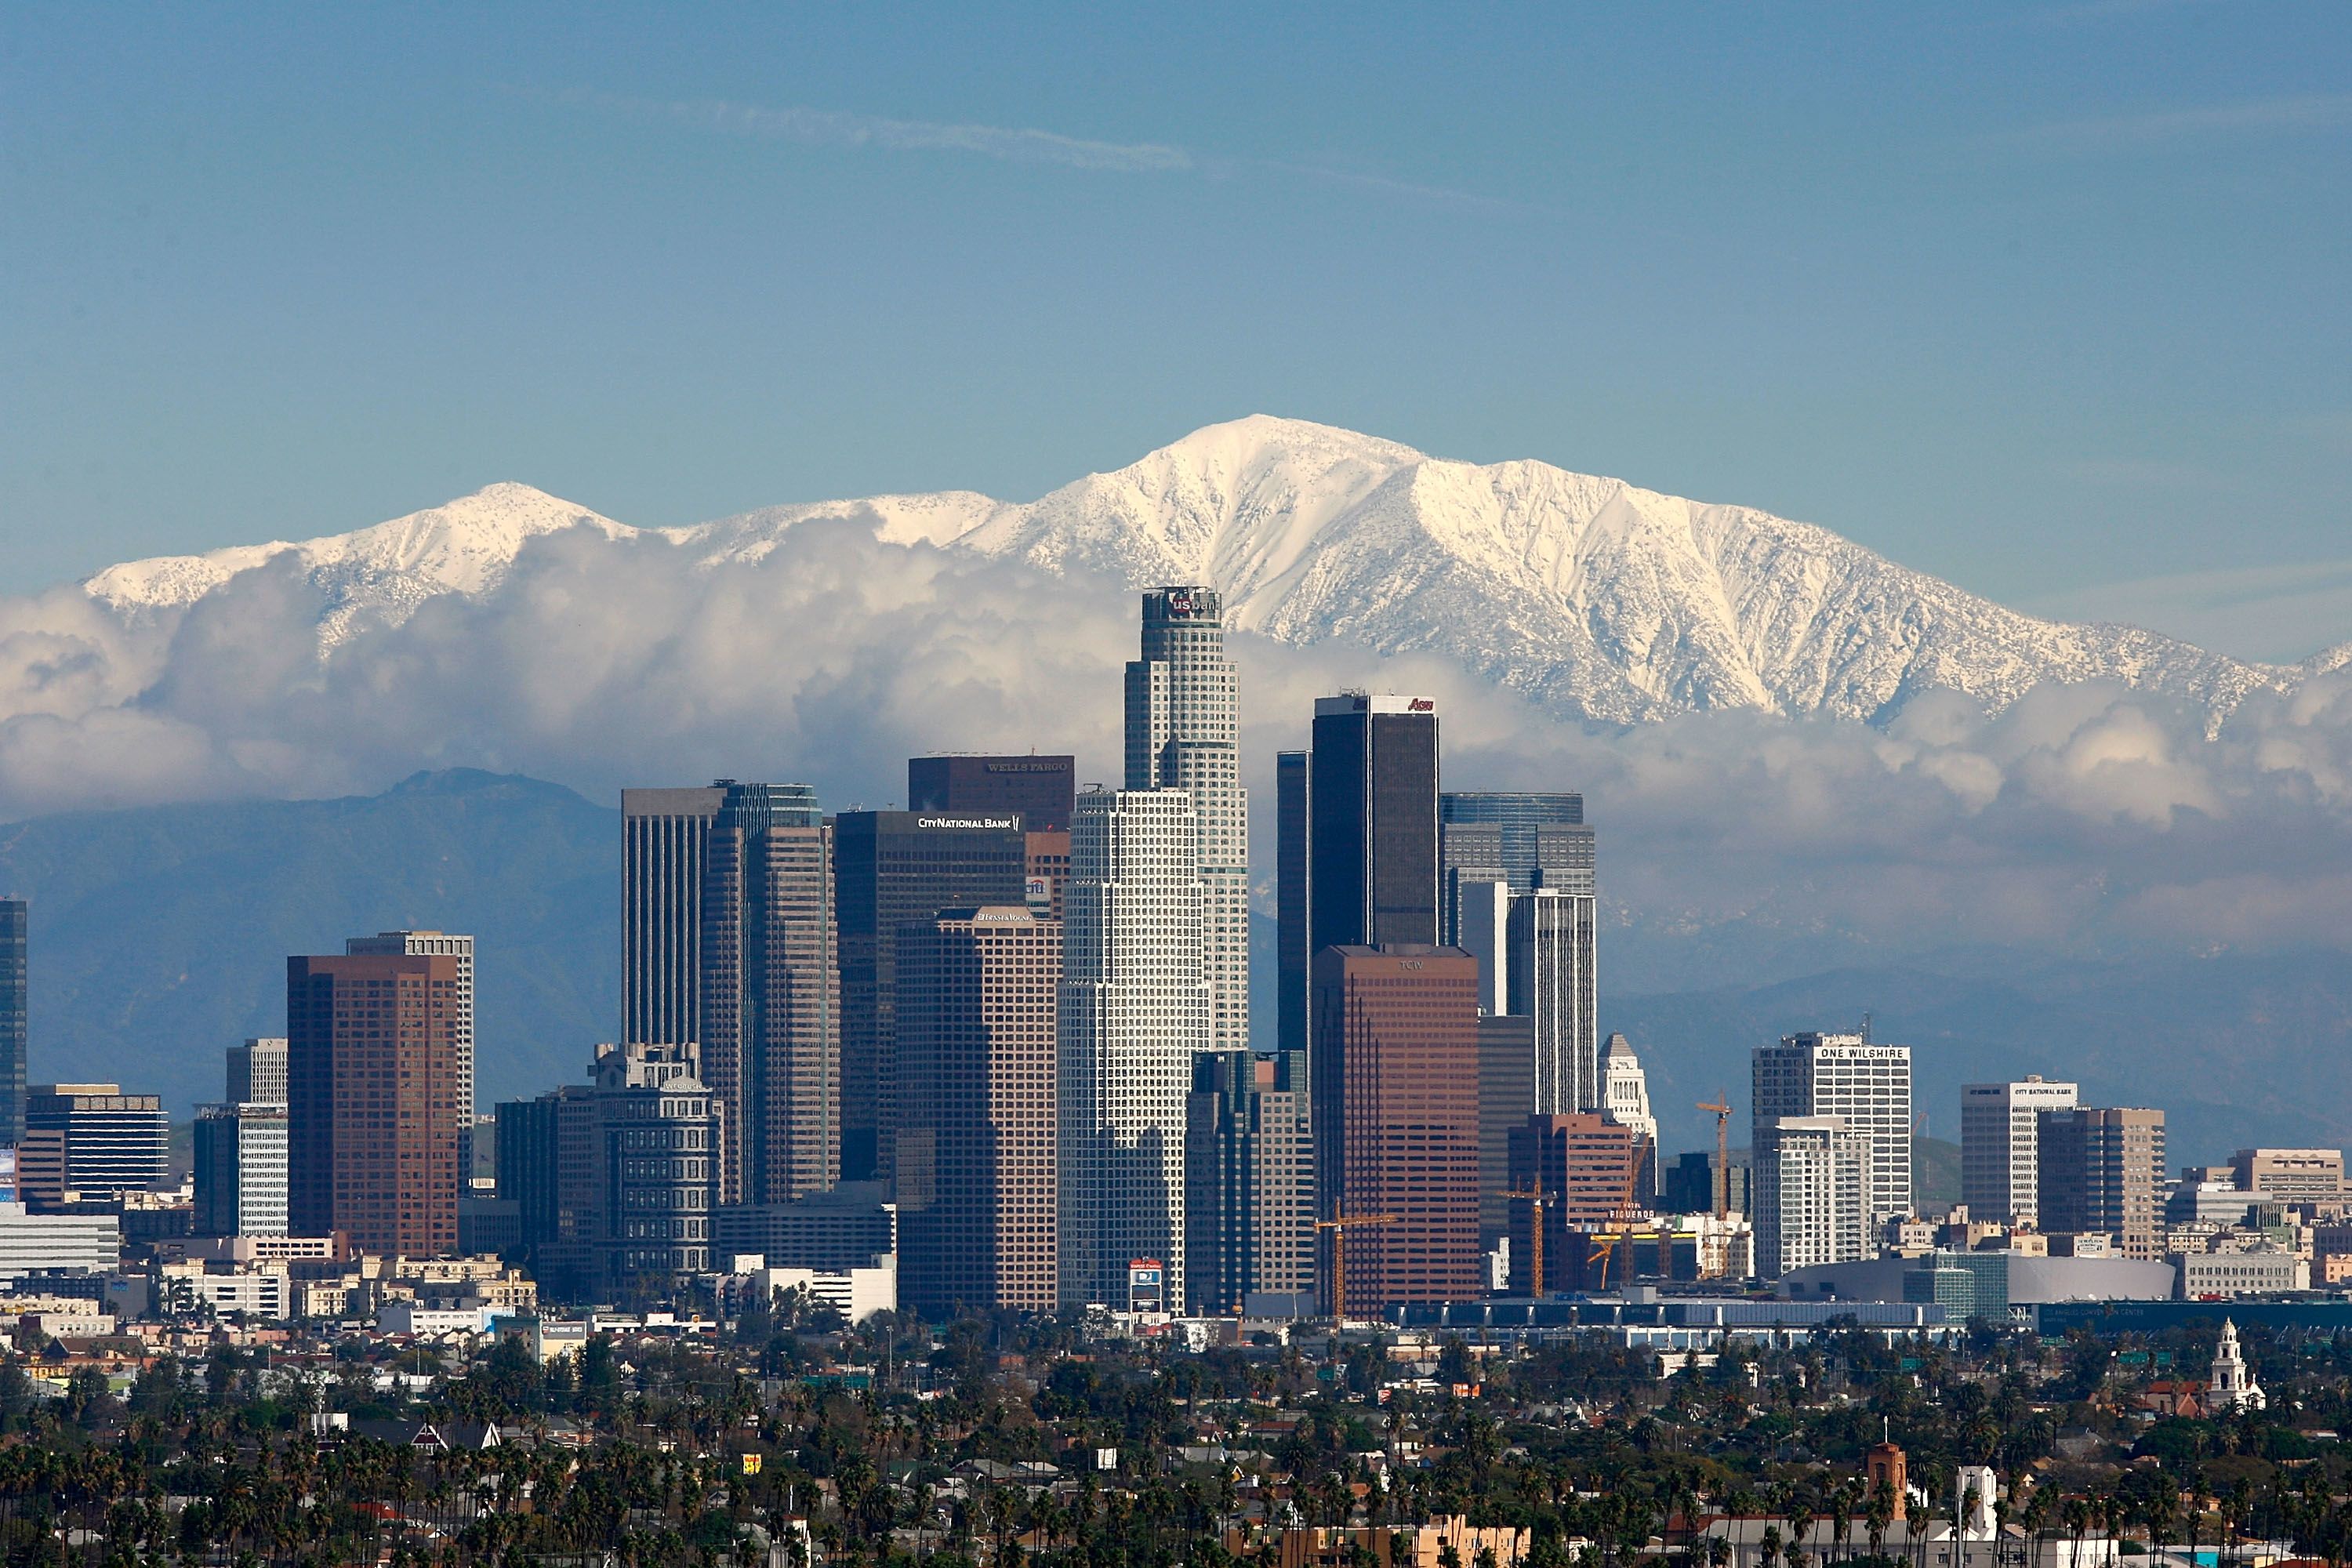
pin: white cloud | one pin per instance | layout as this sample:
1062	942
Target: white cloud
2127	133
838	128
2082	819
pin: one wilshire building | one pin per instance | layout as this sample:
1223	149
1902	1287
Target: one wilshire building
1183	721
1865	1085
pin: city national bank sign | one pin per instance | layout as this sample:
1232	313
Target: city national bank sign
995	822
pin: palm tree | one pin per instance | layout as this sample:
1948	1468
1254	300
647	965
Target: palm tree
1842	1500
1880	1518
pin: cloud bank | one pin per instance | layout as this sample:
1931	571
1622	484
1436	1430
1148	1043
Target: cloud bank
2086	820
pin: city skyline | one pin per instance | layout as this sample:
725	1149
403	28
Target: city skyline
1375	787
1041	1114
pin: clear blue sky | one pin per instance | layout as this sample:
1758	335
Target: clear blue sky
2039	298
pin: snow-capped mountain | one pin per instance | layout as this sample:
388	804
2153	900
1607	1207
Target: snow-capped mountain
1596	598
372	576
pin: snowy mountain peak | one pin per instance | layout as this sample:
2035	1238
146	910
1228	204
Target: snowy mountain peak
375	574
1596	598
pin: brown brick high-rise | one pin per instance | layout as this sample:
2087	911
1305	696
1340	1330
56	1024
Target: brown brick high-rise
978	991
376	1079
1395	1072
1590	1170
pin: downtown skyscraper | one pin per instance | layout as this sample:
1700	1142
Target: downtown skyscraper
1182	724
1134	1010
665	843
377	1074
1867	1086
1356	838
12	1032
771	994
978	994
891	867
729	943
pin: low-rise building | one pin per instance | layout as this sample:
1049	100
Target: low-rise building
30	1243
548	1339
220	1289
2214	1275
1412	1546
420	1322
856	1293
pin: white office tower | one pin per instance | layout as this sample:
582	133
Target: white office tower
2000	1143
1625	1089
1134	1008
1813	1200
1483	921
1182	717
1550	980
257	1072
1846	1076
445	944
240	1153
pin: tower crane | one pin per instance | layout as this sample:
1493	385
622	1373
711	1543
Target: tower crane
1621	1217
1339	1226
1534	1194
1721	1105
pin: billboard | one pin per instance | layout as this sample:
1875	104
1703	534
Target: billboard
1147	1286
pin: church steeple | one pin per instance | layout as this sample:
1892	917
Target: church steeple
2231	1386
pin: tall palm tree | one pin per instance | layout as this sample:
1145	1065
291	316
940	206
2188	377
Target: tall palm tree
1880	1517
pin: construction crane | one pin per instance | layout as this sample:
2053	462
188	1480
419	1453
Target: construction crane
1535	1198
1339	1226
1621	1217
1721	1105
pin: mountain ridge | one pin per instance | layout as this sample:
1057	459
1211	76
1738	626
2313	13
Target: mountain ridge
1599	599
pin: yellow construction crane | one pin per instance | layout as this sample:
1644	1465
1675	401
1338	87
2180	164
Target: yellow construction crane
1339	1226
1721	1105
1621	1217
1535	1198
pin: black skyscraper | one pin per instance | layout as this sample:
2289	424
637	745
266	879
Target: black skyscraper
1372	823
1042	792
892	868
12	1021
1293	884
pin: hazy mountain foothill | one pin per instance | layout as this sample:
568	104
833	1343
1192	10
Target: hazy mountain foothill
159	936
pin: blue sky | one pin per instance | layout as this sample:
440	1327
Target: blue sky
2050	300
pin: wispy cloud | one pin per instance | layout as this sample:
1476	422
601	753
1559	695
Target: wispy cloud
837	128
2133	473
2279	614
2123	132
